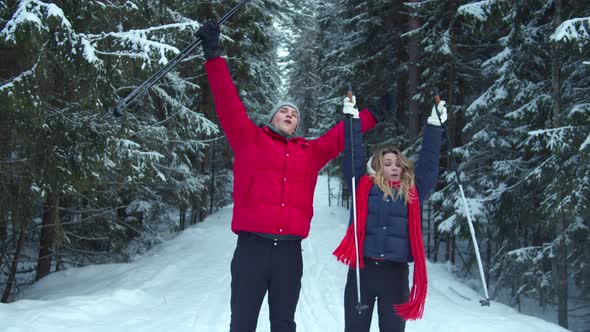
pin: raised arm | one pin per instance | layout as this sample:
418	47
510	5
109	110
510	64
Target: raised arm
230	110
428	162
328	146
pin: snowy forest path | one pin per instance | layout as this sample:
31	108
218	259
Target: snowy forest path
184	285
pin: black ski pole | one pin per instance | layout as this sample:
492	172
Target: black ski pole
359	306
455	169
143	87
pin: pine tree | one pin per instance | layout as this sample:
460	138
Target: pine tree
108	178
533	150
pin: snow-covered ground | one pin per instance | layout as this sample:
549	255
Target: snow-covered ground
183	285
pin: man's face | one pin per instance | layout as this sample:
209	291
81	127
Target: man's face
285	120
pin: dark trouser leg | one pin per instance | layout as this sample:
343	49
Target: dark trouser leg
393	289
250	274
353	321
285	284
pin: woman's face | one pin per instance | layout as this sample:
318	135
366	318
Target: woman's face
392	169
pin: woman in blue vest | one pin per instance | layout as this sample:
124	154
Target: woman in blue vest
388	198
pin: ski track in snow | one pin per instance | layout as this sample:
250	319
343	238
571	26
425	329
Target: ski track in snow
184	285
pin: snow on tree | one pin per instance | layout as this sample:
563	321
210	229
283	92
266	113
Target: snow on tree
66	66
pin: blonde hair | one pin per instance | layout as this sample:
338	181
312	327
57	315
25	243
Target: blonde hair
406	181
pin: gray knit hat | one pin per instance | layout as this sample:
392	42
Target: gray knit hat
278	106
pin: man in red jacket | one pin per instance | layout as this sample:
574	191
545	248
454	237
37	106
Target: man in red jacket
275	174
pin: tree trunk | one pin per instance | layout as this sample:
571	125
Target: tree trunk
3	236
58	262
413	58
202	214
182	222
560	264
194	209
488	261
450	98
555	66
3	224
560	267
451	124
50	215
12	274
453	250
448	248
436	245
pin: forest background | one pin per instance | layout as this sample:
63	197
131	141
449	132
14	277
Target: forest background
79	188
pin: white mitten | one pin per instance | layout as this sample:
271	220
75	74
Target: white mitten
348	107
433	118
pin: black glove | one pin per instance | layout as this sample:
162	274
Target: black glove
209	34
386	104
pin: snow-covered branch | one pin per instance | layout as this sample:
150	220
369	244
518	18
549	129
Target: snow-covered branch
550	131
33	12
10	83
573	30
135	32
479	10
557	137
534	253
586	143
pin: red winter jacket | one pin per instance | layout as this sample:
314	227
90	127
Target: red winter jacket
274	178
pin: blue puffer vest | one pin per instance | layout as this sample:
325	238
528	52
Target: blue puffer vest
387	220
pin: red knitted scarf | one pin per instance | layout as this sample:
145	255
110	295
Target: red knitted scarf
414	308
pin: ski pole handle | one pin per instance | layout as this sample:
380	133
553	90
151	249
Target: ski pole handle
436	100
454	168
436	97
349	92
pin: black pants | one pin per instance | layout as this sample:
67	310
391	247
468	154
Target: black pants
382	280
260	265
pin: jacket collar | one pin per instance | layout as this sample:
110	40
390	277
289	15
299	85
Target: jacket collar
274	133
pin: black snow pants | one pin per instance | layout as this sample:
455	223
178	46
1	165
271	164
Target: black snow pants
385	281
259	265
